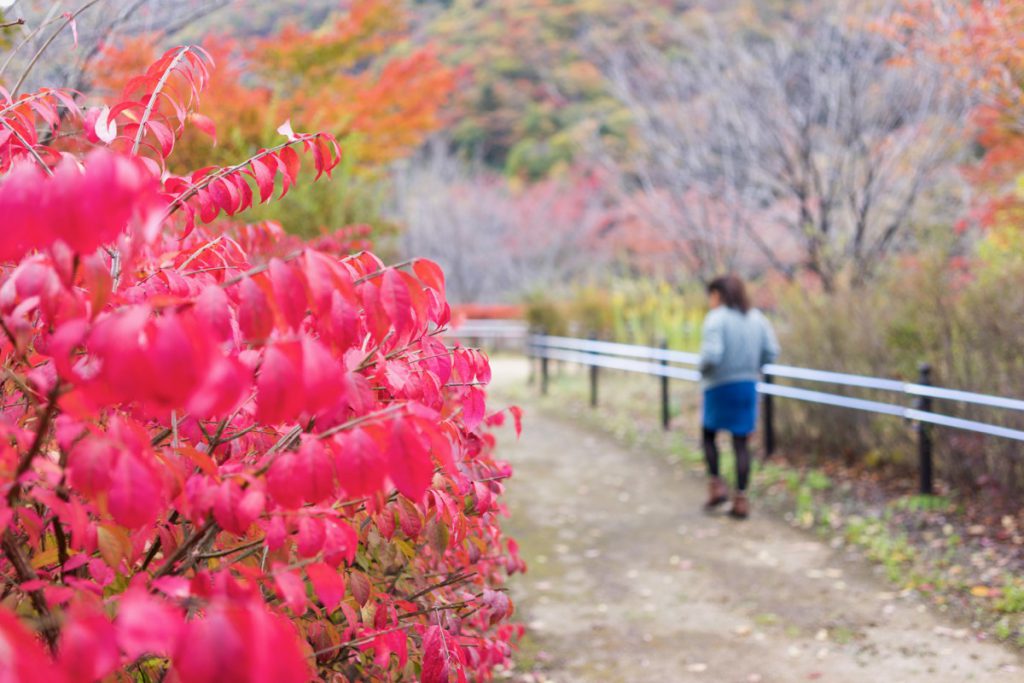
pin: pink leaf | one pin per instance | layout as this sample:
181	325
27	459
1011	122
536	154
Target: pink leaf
310	538
74	26
255	318
290	292
147	624
360	465
22	659
292	590
341	542
394	297
136	493
328	583
88	643
234	509
303	477
321	376
279	388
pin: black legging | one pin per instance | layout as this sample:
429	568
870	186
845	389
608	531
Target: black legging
739	445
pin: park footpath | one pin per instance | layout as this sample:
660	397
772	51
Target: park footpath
630	581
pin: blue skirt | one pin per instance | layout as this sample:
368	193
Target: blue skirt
731	408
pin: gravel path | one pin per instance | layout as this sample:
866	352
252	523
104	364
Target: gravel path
630	581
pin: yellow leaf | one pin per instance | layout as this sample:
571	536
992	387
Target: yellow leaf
44	558
404	546
981	591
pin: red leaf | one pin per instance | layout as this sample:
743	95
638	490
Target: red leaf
255	318
234	509
239	641
227	382
321	376
213	308
136	494
290	292
292	590
90	464
430	273
205	124
306	476
310	538
473	408
328	583
360	465
163	135
517	418
264	176
88	644
341	542
22	659
147	625
289	164
409	462
442	657
394	297
279	387
360	585
409	518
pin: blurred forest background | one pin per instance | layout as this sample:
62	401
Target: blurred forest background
593	162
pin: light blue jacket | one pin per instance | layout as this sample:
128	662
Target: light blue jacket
734	345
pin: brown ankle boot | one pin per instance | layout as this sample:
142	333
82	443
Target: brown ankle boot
740	507
718	493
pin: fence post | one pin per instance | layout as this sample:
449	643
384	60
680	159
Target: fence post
924	435
593	380
768	416
529	352
666	418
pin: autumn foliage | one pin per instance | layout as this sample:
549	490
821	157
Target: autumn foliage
982	43
346	77
227	455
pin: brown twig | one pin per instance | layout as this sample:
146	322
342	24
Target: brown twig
37	445
450	581
378	273
25	143
355	422
257	270
15	555
231	551
194	538
16	22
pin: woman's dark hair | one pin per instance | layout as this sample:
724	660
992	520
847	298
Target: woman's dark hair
732	292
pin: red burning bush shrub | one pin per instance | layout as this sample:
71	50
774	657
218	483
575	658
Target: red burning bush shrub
226	455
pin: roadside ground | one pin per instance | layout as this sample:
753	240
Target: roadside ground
630	581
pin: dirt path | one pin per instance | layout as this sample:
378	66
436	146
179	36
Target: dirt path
629	581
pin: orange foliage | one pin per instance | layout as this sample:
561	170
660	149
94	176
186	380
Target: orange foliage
983	44
353	77
488	312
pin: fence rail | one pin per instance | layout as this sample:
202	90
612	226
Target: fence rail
667	364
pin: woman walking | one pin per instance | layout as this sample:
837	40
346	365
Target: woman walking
735	342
